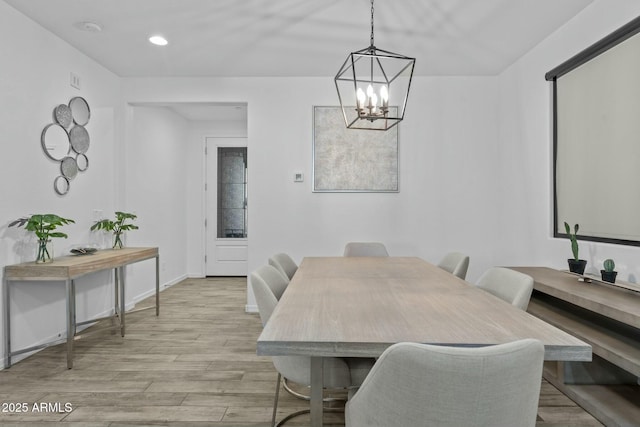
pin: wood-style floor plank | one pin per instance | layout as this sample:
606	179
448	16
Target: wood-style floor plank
194	366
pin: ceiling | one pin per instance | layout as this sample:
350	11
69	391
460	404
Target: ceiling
220	111
299	37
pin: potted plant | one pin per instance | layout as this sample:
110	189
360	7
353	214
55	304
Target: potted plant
576	265
43	225
118	227
608	275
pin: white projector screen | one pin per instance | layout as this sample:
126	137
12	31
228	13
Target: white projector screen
597	140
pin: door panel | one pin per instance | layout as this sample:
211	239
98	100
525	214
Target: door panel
226	207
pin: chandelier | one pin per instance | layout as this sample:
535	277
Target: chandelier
364	84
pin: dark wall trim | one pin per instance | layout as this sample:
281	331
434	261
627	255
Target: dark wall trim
601	46
600	239
555	158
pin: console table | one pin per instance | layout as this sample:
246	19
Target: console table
67	269
606	316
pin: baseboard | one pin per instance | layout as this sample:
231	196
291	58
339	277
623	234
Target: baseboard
251	308
152	292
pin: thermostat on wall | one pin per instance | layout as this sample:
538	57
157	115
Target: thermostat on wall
298	177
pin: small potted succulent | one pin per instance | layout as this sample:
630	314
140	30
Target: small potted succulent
43	226
576	265
608	274
118	227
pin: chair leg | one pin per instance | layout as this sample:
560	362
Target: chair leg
295	414
288	389
302	412
275	401
290	416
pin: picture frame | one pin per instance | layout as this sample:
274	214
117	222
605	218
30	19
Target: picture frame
352	160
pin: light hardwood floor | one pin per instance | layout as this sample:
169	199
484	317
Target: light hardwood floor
195	365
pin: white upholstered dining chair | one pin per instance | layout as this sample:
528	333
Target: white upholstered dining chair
510	285
285	264
415	385
365	249
455	263
276	281
338	373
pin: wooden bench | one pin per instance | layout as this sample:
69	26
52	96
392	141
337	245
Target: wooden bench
606	316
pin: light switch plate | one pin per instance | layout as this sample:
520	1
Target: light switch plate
75	80
298	177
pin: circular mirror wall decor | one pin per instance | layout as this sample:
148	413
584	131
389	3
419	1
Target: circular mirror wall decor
62	114
79	139
82	162
61	185
80	110
59	144
69	167
55	141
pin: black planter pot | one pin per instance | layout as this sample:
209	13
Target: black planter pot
577	266
609	276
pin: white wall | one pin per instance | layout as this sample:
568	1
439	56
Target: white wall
34	79
448	148
525	152
156	167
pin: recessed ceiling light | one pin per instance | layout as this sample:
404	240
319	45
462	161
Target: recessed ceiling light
88	26
158	40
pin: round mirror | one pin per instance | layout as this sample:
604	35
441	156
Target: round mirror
79	110
69	167
55	141
62	114
79	139
82	162
61	185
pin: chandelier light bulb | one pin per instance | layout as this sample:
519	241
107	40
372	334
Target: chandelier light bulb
361	98
384	96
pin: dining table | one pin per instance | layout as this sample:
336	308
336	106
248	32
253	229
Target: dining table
359	306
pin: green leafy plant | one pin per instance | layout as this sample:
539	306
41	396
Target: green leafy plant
43	226
117	227
574	239
609	265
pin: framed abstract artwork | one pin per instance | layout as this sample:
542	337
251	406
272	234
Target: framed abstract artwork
352	160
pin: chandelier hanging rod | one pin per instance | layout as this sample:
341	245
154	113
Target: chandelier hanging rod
372	45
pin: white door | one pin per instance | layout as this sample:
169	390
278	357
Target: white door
226	207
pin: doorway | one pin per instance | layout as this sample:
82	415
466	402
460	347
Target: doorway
226	197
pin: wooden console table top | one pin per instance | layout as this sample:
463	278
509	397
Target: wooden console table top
610	301
74	266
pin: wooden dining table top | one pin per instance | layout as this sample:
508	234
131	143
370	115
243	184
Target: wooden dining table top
359	306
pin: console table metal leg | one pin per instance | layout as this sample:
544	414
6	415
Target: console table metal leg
158	285
115	302
71	320
7	325
121	285
316	391
117	291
